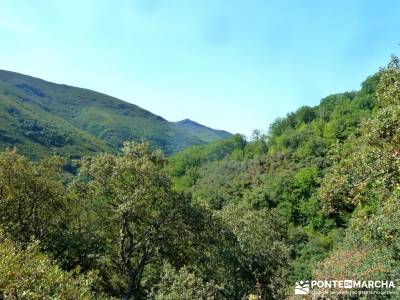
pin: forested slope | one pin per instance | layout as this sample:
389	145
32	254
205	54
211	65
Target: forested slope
284	169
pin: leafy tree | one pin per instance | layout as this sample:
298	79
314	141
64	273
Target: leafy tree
29	274
136	214
31	197
367	168
264	253
365	182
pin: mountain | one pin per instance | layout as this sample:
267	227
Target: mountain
40	117
203	132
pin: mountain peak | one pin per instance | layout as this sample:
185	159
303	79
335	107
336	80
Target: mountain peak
189	121
201	131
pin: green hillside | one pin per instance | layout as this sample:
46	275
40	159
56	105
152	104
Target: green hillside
45	118
35	131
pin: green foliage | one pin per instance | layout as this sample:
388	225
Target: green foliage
264	252
198	155
31	197
368	167
136	221
195	156
136	213
29	274
185	285
365	182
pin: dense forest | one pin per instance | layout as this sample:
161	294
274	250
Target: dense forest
314	197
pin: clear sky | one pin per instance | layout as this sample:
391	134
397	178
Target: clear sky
229	64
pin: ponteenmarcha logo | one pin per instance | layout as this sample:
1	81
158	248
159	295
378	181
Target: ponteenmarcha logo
307	286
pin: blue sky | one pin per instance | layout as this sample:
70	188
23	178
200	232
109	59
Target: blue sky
229	64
